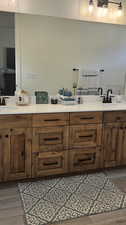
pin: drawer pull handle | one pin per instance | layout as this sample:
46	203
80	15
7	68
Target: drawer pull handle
22	154
50	164
86	118
118	118
52	120
86	136
84	160
51	139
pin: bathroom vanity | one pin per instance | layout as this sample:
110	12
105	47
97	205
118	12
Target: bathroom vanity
37	141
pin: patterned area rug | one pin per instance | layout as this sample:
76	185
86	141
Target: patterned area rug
54	200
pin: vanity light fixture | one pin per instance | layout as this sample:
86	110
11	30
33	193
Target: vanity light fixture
103	4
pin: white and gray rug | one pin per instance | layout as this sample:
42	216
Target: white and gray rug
54	200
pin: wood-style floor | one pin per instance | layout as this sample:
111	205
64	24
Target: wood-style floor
11	212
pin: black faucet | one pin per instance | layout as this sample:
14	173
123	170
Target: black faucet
2	101
108	97
100	91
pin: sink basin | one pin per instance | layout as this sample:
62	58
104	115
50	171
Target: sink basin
7	107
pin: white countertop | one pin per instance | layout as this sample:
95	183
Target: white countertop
48	108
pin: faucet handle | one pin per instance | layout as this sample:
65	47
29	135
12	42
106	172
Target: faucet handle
3	101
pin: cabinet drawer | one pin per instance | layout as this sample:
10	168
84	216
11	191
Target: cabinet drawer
85	136
82	160
50	139
48	120
85	118
118	116
50	163
15	121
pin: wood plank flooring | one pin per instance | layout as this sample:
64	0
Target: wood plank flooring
11	211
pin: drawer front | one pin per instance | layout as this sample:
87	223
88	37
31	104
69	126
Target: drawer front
82	160
15	121
85	118
50	163
52	119
85	136
50	139
115	116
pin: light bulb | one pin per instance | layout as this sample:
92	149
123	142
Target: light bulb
91	7
119	13
100	11
105	11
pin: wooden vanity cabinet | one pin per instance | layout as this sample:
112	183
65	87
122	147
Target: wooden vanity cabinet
15	147
4	143
49	163
114	139
57	143
17	160
84	159
85	141
50	144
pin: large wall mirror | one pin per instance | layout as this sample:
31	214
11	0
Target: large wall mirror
48	48
51	47
7	54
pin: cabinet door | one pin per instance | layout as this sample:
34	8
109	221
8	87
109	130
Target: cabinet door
85	136
122	144
84	159
49	163
18	154
4	144
111	144
50	139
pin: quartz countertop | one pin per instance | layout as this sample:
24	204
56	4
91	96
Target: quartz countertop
48	108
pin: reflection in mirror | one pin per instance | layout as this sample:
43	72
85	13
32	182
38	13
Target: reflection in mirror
50	48
7	54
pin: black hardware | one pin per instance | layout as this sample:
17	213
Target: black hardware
75	69
6	136
100	91
51	139
52	120
107	98
50	164
86	118
2	100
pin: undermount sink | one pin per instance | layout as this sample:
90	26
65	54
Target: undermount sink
7	107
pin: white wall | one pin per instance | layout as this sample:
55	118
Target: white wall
74	9
48	49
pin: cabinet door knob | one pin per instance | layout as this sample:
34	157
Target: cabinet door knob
6	136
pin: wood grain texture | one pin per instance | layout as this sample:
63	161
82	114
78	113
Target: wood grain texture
3	146
13	214
49	163
15	121
84	159
114	144
85	136
50	138
50	119
85	118
17	162
115	116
